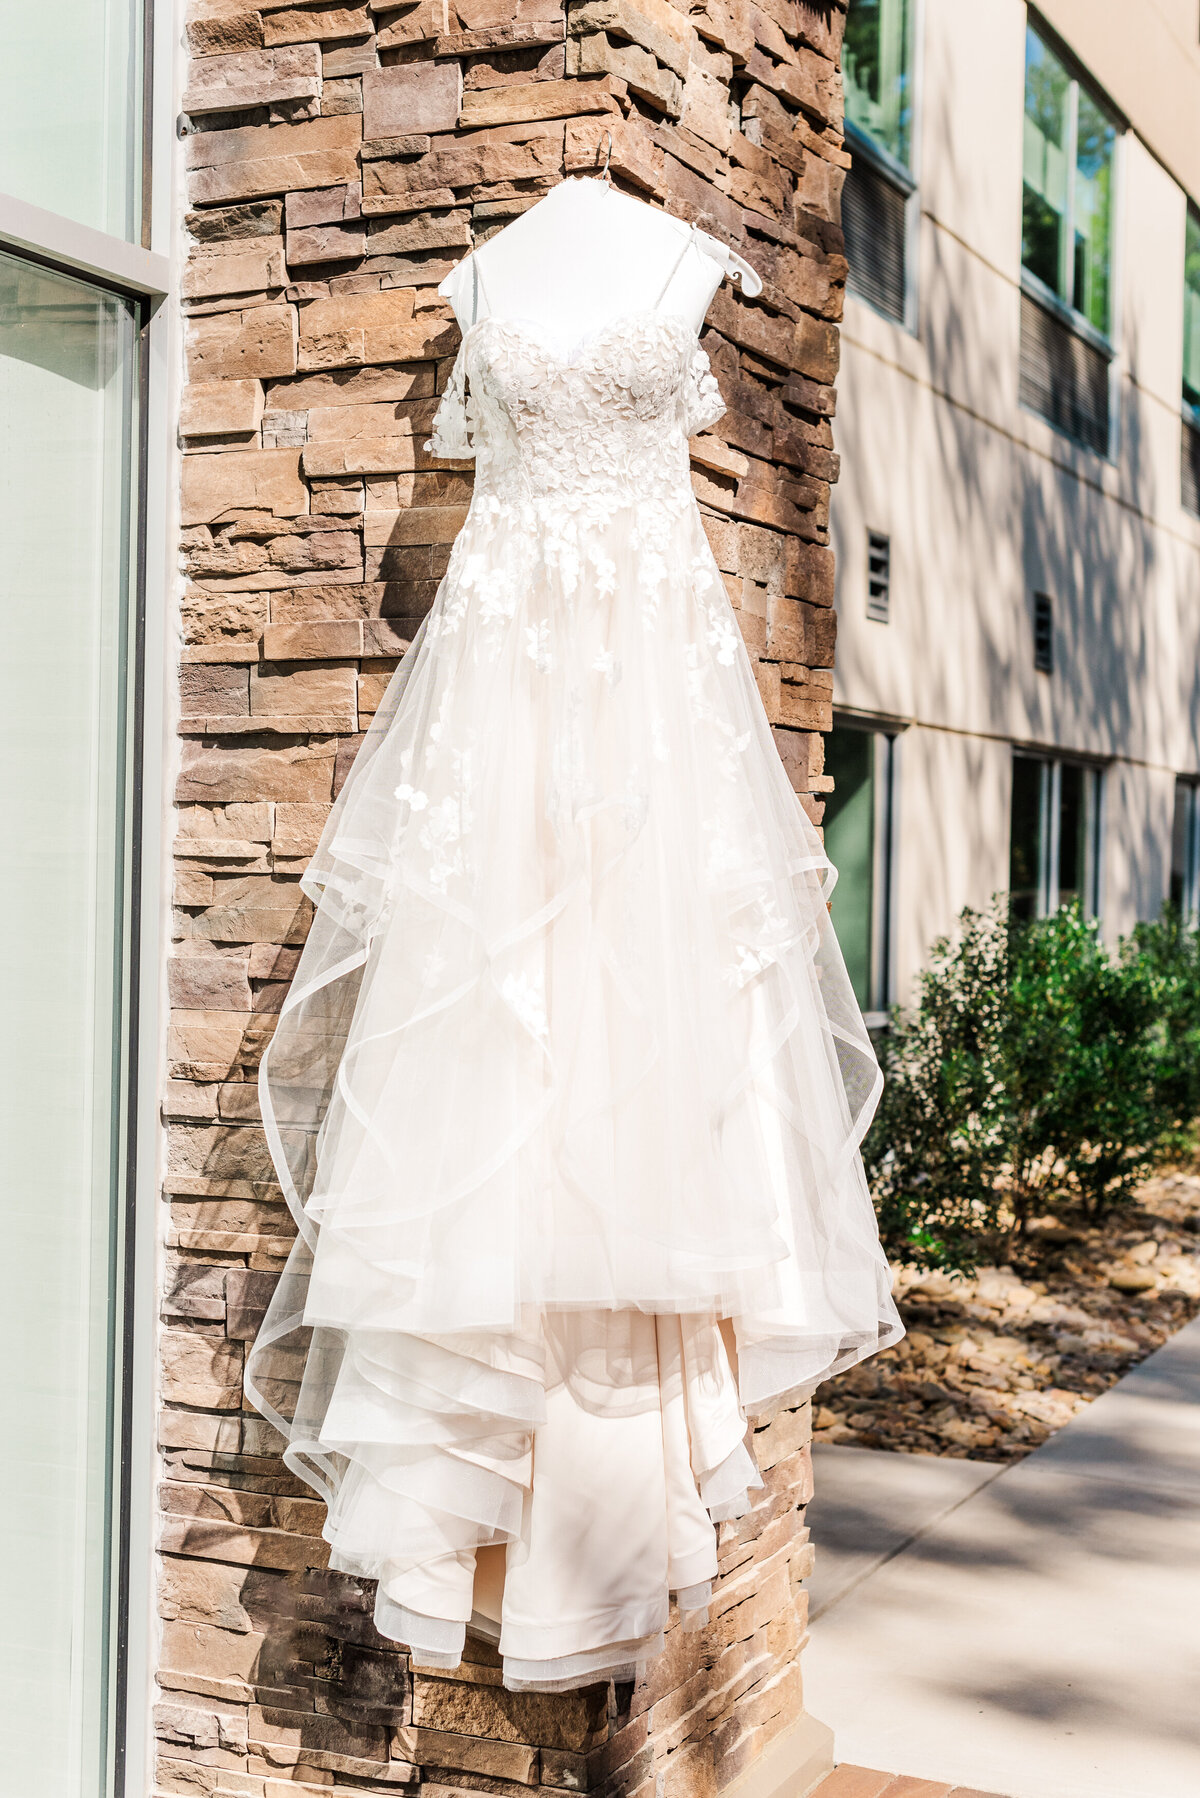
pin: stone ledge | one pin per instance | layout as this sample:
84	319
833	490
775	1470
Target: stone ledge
792	1767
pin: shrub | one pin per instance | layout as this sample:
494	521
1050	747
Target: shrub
1168	950
1087	1118
935	1148
1034	1069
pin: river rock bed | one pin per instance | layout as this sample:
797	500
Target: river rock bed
994	1363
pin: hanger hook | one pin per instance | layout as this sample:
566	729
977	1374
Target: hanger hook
604	174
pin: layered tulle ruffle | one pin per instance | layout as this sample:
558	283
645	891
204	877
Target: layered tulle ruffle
571	1037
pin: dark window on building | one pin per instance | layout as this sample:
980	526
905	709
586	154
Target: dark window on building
877	68
1054	840
1043	633
858	837
1190	483
1185	849
1063	376
1190	458
879	576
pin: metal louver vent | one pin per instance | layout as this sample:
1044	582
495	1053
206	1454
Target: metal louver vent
1063	376
1190	465
873	221
1043	633
879	576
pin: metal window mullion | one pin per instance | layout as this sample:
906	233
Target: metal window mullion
1091	823
1067	254
891	62
1051	835
879	833
885	834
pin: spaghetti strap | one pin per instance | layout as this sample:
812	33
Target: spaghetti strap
688	241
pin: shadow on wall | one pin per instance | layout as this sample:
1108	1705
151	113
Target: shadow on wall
980	523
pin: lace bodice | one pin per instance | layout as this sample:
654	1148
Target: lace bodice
604	427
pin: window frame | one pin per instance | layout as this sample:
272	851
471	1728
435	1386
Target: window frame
905	177
1035	291
890	157
1191	408
1052	763
885	784
1189	904
1032	284
145	274
1189	436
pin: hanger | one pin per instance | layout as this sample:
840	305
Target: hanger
735	266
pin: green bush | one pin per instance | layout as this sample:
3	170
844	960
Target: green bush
1168	950
939	1137
1035	1069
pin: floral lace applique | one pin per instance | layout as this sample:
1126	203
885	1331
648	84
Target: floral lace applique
603	430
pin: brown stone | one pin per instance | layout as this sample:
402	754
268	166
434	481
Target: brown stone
207	982
214	774
326	243
420	524
271	159
815	350
411	98
228	224
304	24
325	691
253	78
445	231
250	265
235	480
466	1754
571	1720
201	1371
257	343
229	408
326	640
810	572
537	100
251	909
366	327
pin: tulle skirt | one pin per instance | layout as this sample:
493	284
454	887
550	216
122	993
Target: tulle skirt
566	1096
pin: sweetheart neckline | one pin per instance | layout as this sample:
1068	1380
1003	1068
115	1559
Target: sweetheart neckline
524	325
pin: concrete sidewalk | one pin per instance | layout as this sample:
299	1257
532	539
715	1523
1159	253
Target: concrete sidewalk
1033	1630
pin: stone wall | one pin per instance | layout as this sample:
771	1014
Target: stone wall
340	158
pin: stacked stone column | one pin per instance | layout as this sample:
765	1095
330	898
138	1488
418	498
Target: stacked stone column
340	158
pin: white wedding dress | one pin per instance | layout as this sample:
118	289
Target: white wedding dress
567	1094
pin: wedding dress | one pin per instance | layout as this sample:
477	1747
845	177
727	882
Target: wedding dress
567	1094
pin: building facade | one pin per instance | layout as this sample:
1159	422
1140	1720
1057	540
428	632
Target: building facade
222	227
1017	521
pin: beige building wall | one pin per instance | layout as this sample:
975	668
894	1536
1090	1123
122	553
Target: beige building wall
985	503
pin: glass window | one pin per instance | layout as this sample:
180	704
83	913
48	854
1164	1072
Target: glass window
1067	187
1191	311
71	124
1054	836
1025	874
858	830
876	57
1185	849
68	361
